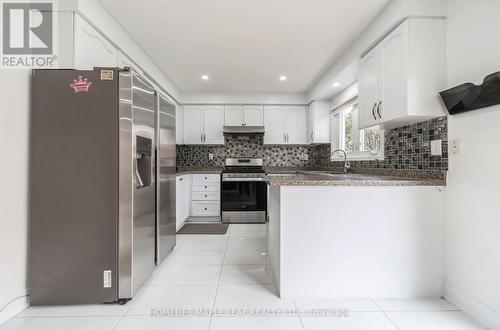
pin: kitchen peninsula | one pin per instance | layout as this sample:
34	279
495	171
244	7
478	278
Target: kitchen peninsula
356	235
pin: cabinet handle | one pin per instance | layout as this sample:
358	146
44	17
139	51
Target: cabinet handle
373	111
181	179
201	137
206	187
205	208
312	136
378	109
206	196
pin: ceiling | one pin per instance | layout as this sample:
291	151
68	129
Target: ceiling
244	45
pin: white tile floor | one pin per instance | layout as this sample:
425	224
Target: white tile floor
229	273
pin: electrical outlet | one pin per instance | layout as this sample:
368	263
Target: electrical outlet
436	148
454	147
211	156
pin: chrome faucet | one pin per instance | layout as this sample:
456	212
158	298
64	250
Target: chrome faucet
347	165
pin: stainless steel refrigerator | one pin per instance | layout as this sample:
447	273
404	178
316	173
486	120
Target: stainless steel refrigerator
97	224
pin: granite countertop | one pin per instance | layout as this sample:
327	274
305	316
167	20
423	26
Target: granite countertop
358	177
199	170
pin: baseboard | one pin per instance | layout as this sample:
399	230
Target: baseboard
482	312
15	306
180	225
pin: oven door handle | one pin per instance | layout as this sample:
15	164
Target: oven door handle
244	179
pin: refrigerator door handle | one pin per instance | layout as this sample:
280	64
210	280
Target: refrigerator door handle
138	176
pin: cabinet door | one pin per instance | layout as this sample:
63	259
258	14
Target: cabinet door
213	121
192	124
274	122
310	122
369	88
91	49
296	124
253	115
179	135
182	200
233	115
395	61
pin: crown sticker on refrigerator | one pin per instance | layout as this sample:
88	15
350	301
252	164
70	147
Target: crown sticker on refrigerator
81	85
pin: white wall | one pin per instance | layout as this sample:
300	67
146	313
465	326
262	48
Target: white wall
95	12
14	135
14	126
473	220
343	69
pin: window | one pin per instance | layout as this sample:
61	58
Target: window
359	144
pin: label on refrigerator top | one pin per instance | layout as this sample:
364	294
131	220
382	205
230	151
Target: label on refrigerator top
107	74
107	279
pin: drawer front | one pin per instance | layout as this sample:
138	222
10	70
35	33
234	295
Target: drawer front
205	208
206	178
207	196
208	187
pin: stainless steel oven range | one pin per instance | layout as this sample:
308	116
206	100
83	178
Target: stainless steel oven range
244	191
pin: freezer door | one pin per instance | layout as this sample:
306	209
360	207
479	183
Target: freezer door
144	182
73	187
166	168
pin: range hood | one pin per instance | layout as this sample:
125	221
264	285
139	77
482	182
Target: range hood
243	130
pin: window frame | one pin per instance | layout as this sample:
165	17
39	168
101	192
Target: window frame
337	140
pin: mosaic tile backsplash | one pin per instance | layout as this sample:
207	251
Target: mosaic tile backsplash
406	147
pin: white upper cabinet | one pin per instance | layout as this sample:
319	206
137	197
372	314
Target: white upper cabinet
202	124
179	129
91	49
401	77
319	122
285	124
233	115
192	124
253	115
274	122
395	73
296	124
243	115
213	122
369	88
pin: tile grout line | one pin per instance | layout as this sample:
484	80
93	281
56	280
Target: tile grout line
298	313
218	283
387	316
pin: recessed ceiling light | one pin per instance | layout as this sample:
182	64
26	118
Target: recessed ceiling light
336	84
283	78
205	77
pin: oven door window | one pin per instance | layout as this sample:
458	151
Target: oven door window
244	196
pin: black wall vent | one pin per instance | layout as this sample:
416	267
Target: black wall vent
468	96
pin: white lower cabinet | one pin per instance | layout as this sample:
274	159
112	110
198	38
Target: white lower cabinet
205	196
205	209
183	199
